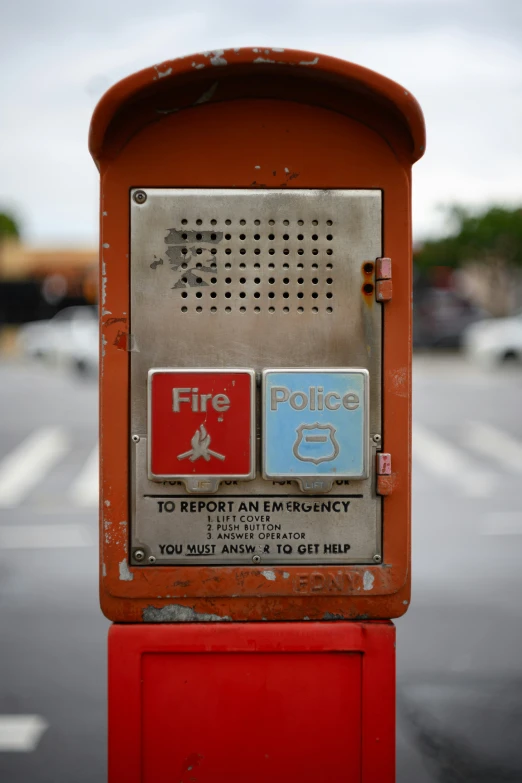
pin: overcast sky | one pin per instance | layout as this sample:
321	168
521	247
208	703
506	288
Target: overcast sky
462	59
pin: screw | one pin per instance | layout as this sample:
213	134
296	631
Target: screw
140	197
377	558
152	559
135	438
376	438
139	554
256	559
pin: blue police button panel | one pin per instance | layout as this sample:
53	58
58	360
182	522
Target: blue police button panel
315	423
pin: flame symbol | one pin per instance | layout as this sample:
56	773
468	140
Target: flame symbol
200	443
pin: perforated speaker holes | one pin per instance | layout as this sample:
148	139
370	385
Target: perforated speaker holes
235	265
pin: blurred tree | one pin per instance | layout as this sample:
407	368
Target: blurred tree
488	246
9	228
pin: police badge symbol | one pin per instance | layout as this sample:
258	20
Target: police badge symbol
316	443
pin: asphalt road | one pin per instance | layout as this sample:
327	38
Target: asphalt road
459	646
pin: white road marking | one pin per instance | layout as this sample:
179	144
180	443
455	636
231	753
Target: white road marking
28	464
443	459
21	733
490	442
85	489
502	523
45	536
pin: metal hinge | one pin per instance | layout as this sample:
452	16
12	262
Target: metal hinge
383	279
384	474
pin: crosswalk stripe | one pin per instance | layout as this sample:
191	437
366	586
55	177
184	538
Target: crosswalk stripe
45	536
84	491
28	464
21	733
488	441
445	460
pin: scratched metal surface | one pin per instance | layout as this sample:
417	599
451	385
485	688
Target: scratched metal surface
258	279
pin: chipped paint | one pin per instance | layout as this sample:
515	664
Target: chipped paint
167	111
107	503
310	62
104	569
270	575
104	282
332	616
198	65
207	95
277	50
217	58
368	580
162	74
106	244
125	574
287	171
286	575
175	613
104	214
263	60
103	344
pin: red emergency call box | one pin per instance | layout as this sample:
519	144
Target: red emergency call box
255	314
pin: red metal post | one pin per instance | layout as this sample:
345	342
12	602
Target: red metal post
204	703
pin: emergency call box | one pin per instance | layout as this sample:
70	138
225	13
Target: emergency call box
255	368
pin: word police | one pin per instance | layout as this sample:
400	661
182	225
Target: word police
198	402
315	400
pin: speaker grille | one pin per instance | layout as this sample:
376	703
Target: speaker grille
271	265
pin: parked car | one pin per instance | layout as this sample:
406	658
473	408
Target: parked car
69	339
440	317
494	340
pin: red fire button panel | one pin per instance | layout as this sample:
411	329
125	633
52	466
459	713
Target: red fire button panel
201	424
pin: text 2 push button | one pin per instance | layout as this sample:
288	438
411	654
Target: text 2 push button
201	426
315	426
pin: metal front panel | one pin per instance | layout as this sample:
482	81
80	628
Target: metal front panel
254	278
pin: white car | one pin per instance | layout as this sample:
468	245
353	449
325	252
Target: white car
494	340
69	339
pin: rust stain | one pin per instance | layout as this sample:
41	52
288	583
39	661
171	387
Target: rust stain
120	340
368	287
367	290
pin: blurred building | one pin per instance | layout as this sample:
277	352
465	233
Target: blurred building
35	283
